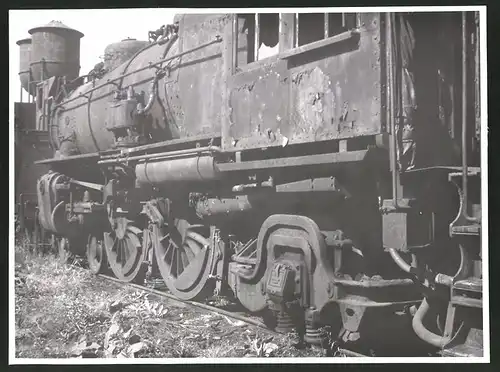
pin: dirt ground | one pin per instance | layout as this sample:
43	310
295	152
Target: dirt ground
63	311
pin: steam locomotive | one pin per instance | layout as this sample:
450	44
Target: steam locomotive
274	179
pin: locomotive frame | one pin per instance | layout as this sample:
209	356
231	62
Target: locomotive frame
279	184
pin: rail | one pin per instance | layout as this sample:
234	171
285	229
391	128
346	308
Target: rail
214	309
192	303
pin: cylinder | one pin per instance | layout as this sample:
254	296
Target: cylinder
199	168
25	47
117	53
55	51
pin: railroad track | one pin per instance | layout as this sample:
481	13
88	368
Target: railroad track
214	309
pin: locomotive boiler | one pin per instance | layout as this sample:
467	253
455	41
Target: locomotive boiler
259	156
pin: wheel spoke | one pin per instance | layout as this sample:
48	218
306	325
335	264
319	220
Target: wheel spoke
119	251
116	252
115	241
179	263
134	240
172	263
178	247
124	253
184	259
191	249
167	251
98	251
131	254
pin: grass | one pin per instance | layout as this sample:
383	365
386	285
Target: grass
63	311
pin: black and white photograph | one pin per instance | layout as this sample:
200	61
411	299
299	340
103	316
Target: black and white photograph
248	185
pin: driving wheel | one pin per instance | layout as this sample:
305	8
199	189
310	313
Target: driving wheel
124	250
96	254
63	249
184	257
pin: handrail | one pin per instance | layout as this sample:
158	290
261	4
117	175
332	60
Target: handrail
391	116
465	171
217	39
160	155
347	35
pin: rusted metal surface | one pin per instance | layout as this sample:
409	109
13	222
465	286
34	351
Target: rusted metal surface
258	105
91	104
198	168
82	117
55	51
199	79
333	159
300	234
311	94
228	67
332	92
259	200
223	206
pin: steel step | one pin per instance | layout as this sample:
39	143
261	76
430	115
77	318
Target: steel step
472	347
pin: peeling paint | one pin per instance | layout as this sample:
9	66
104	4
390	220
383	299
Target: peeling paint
314	99
334	96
